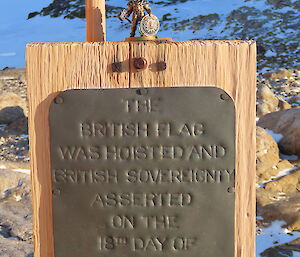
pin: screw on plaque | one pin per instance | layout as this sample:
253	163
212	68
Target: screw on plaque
140	63
224	97
59	100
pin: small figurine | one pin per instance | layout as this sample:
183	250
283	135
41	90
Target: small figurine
149	24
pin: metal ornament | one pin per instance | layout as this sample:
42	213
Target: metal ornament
123	16
149	25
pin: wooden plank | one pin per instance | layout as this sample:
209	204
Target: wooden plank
95	20
229	65
52	68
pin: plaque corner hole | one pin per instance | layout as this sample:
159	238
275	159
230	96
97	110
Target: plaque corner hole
59	100
224	97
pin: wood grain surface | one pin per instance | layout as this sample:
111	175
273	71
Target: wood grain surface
95	20
54	67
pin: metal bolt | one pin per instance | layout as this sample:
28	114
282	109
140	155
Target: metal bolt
116	67
231	190
140	63
161	66
224	97
59	100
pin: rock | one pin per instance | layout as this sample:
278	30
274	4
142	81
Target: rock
13	182
284	208
15	248
287	123
293	245
267	156
283	105
18	127
268	102
279	3
294	99
268	163
286	184
3	134
286	89
284	250
295	84
11	99
11	114
264	198
280	74
277	252
14	148
284	165
13	74
15	215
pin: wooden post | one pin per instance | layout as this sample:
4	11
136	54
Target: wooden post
95	21
230	65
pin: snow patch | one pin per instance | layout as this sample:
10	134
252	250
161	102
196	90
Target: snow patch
25	171
18	198
274	235
279	175
276	137
269	53
289	157
13	238
23	136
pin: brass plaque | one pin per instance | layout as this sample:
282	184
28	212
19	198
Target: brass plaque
143	172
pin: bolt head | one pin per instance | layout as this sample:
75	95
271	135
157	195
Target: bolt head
117	67
161	66
224	97
140	63
59	100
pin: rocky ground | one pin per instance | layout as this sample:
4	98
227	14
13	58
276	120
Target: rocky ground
278	170
278	165
15	201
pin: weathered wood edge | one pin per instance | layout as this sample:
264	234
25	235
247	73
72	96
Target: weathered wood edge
246	230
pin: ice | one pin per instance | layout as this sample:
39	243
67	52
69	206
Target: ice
274	235
277	137
25	171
